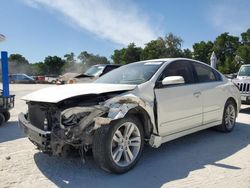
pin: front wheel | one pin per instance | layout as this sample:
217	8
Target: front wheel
229	117
117	147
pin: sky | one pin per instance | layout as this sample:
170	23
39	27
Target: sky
39	28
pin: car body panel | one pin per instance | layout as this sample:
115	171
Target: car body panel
178	108
56	94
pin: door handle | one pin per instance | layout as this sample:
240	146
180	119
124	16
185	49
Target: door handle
197	94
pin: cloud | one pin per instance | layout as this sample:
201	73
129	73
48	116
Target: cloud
230	16
119	21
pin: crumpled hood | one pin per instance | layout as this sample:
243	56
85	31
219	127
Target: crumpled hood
56	94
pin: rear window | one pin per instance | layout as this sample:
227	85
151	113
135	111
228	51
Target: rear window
205	73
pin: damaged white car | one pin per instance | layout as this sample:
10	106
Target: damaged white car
150	102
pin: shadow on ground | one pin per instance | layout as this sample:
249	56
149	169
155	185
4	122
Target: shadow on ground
10	131
172	161
245	110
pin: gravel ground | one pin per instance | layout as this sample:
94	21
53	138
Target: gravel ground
204	159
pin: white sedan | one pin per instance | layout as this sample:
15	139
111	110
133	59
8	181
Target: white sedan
149	102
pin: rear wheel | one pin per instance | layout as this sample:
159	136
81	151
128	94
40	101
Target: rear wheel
117	147
6	116
229	117
2	119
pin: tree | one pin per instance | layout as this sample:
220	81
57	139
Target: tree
225	47
187	53
153	50
18	64
89	59
117	56
38	69
243	52
245	37
169	46
53	65
131	54
70	63
127	55
173	45
202	51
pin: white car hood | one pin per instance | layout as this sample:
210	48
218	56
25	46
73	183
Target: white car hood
56	94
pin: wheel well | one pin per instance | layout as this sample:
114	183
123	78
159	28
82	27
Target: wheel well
233	100
143	116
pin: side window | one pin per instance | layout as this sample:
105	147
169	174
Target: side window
204	73
18	77
180	68
107	69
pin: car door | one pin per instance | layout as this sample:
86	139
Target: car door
210	83
179	107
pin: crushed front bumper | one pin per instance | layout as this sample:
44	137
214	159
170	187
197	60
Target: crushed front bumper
37	136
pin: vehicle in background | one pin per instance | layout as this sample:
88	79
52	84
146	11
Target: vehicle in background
93	73
243	82
51	79
231	76
21	78
39	79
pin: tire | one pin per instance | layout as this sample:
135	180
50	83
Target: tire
6	115
109	144
229	117
2	119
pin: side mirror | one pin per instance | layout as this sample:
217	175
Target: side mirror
172	80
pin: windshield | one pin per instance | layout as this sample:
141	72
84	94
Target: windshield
244	71
134	73
94	70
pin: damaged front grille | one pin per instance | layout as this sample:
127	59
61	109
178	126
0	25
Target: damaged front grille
36	115
43	116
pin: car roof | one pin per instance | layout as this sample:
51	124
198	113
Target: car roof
104	65
169	59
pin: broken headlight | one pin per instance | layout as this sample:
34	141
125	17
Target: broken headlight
73	119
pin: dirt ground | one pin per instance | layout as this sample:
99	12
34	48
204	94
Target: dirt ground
204	159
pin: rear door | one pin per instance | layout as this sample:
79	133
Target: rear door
209	82
179	107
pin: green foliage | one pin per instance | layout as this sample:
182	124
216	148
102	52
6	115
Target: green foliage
53	65
18	64
245	37
127	55
225	47
202	51
230	51
187	53
167	47
153	50
244	53
70	63
88	59
38	69
173	45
